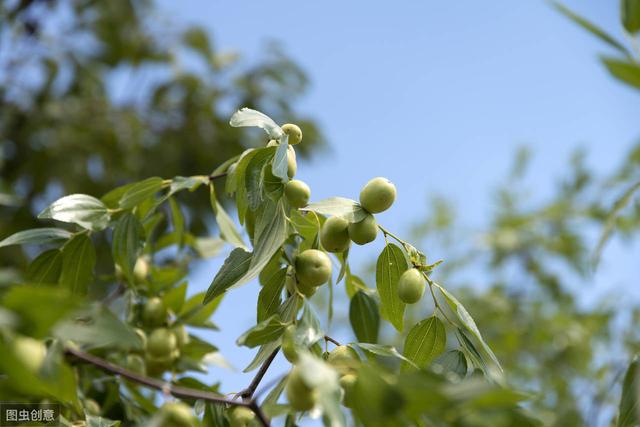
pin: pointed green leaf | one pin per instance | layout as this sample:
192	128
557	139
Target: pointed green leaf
280	166
141	191
86	211
233	269
264	332
425	341
128	238
254	176
269	298
78	260
630	11
452	361
626	71
46	267
364	317
246	117
228	230
391	264
383	350
36	236
338	206
628	414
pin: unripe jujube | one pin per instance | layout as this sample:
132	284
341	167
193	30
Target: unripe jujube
313	268
343	358
141	270
348	382
334	235
154	313
288	344
176	414
301	397
182	336
365	231
378	195
91	407
30	352
411	286
292	163
294	132
240	416
135	363
297	193
161	343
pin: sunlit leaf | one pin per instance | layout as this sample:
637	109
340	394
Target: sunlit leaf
364	317
338	206
246	117
78	260
425	340
391	264
86	211
36	236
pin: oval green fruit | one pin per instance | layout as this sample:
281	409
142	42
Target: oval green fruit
91	407
301	397
365	231
141	270
378	195
313	268
289	344
161	343
135	363
411	286
342	355
30	352
294	132
154	313
297	193
292	163
334	235
240	416
177	414
182	336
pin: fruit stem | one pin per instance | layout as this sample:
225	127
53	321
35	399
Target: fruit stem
165	387
331	340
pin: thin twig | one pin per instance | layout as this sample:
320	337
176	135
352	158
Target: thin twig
328	338
247	393
218	175
165	387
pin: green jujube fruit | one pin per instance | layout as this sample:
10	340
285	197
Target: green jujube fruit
297	193
30	352
161	343
313	268
154	313
135	363
294	132
301	397
288	344
177	414
334	235
378	195
411	286
365	231
240	416
348	382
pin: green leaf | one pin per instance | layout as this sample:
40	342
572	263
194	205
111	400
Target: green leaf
628	415
254	176
630	13
264	332
590	27
128	238
45	268
308	331
383	350
178	221
627	71
270	295
95	421
233	269
364	317
196	312
262	355
463	319
78	260
39	308
140	191
86	211
426	340
174	298
452	361
36	236
246	117
338	206
240	186
306	225
227	227
353	284
99	328
190	183
198	39
280	164
391	264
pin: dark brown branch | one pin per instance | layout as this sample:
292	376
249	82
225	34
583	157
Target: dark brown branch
218	175
177	391
247	393
328	338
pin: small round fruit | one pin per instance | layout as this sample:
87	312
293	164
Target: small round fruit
91	407
177	414
289	345
334	235
135	363
297	193
162	342
313	268
30	352
378	195
306	290
182	336
348	382
240	416
292	163
365	231
342	355
411	286
294	132
141	270
301	397
154	313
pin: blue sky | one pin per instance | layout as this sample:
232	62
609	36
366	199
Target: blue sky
436	96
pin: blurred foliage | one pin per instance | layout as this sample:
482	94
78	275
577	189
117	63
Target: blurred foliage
97	94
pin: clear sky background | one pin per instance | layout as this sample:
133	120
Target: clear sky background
436	96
